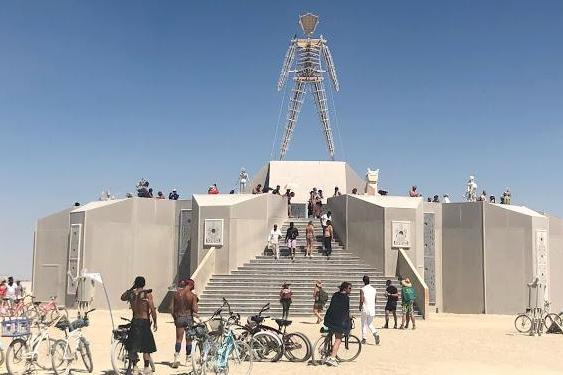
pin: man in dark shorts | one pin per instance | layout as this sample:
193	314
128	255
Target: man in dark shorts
183	308
337	319
392	295
140	338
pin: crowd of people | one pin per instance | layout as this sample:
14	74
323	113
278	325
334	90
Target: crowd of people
337	319
292	233
338	315
505	197
144	191
184	311
11	291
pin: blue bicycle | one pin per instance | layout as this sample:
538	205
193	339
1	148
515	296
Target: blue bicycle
216	350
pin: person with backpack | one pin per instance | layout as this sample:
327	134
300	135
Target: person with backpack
408	295
320	297
285	300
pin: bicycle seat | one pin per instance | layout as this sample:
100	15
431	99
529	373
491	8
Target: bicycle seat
257	319
283	322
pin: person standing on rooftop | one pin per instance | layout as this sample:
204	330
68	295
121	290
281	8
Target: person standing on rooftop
257	189
173	195
336	192
213	189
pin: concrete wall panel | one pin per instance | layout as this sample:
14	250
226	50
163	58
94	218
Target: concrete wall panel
50	256
508	248
462	258
556	263
366	231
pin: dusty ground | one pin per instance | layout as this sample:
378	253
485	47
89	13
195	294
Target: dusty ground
443	344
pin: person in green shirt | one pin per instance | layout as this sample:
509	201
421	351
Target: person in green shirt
408	295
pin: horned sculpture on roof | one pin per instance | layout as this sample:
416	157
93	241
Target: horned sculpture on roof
307	74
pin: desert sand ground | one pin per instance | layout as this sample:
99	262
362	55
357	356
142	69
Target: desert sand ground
443	344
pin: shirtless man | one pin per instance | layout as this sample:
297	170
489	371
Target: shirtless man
141	339
183	309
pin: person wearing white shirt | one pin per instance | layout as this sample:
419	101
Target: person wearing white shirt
11	289
274	240
446	199
324	218
368	296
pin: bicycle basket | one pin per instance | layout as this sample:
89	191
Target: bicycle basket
121	334
15	327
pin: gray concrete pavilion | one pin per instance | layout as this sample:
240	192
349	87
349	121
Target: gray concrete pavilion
462	257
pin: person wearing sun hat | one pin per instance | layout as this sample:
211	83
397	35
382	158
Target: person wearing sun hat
408	295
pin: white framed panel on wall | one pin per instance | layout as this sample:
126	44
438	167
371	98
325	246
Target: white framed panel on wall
74	244
213	232
401	234
542	258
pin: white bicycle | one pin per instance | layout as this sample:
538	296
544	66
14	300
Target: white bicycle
2	356
65	352
24	354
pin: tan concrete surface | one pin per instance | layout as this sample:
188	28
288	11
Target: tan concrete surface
444	344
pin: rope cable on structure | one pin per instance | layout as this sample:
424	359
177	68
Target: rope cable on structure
337	123
278	122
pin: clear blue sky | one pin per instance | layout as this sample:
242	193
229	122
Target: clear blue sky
96	94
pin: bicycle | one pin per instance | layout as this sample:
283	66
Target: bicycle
349	350
523	321
217	350
2	356
30	350
122	360
65	352
265	344
46	312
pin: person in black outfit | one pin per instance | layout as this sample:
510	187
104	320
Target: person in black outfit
291	239
337	318
173	195
392	295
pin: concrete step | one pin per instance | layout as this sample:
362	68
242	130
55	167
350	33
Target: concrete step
329	286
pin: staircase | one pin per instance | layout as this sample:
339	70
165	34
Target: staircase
255	283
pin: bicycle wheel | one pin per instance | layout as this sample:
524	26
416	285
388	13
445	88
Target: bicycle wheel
17	358
266	346
550	318
120	358
84	350
321	350
240	360
62	357
523	323
297	347
349	349
2	357
198	361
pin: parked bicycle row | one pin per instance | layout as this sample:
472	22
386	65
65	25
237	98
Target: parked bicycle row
34	347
